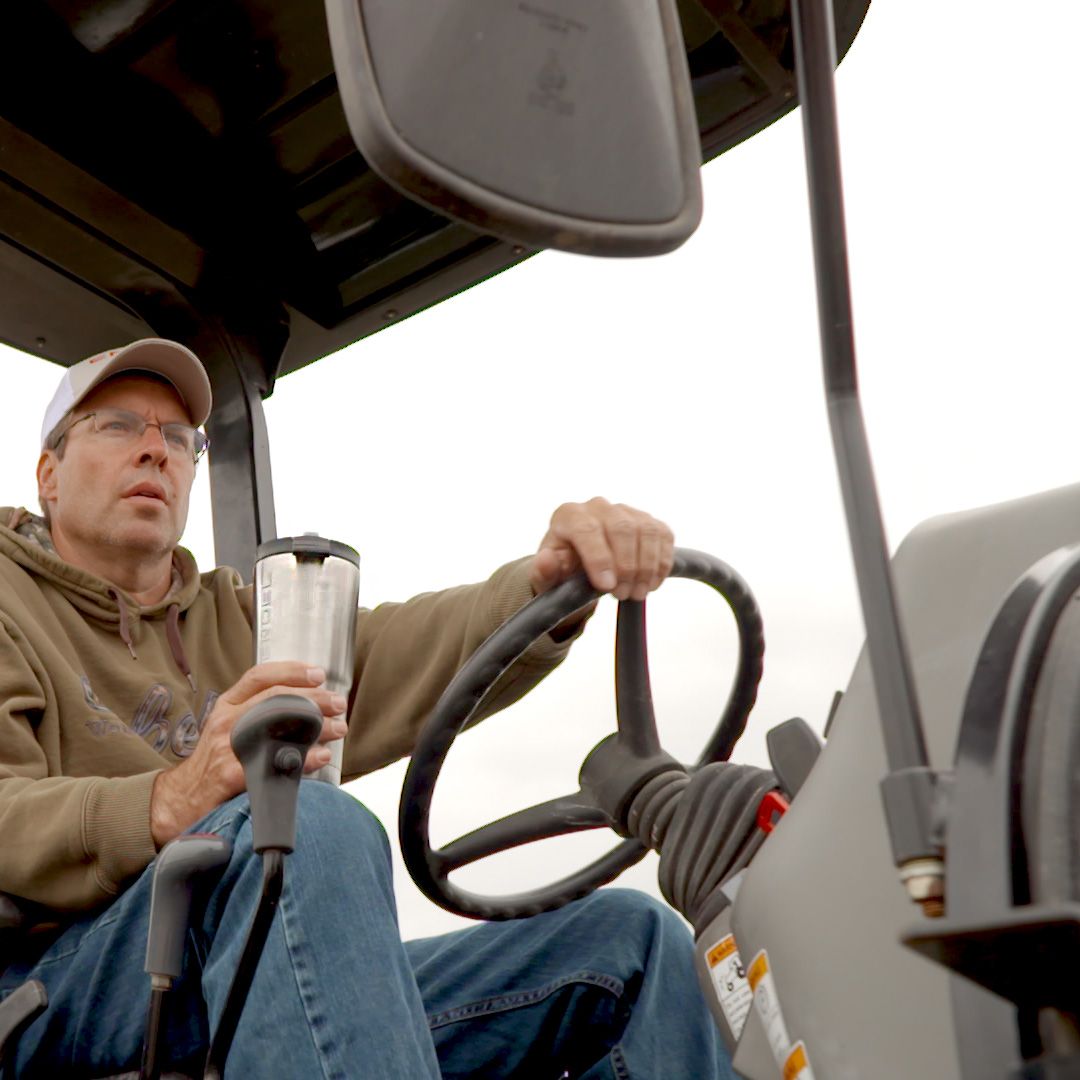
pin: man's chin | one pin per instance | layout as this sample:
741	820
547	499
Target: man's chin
145	537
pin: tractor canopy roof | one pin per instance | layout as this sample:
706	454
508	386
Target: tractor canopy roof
168	162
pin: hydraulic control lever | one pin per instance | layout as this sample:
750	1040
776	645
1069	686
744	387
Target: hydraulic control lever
17	1011
793	747
179	867
271	740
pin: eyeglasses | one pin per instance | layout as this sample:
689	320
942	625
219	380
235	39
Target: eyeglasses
119	425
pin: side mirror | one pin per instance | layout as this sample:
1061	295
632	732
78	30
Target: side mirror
554	124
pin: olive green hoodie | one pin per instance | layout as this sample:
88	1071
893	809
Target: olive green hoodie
98	694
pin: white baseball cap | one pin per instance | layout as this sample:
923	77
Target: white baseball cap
169	359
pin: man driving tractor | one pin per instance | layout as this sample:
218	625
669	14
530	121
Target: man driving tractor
122	673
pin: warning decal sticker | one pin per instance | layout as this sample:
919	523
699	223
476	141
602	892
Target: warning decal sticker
730	982
793	1062
797	1066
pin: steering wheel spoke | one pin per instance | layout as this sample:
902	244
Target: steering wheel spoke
566	814
633	692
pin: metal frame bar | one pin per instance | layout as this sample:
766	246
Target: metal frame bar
241	484
894	684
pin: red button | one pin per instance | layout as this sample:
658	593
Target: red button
771	809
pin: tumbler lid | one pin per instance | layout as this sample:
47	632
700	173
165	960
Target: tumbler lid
310	545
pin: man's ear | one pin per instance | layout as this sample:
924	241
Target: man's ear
46	476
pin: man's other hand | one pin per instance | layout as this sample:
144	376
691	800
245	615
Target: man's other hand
213	774
623	551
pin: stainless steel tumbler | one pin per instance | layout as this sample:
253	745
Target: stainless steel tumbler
306	593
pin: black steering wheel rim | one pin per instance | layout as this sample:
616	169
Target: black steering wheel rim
430	867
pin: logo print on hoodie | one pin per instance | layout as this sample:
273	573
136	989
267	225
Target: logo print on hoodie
186	733
91	697
105	724
151	720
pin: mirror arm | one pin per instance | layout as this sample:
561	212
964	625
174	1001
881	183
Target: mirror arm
894	684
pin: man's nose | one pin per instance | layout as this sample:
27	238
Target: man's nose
151	445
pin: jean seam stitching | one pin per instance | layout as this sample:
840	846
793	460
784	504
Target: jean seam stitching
618	1064
507	1002
303	990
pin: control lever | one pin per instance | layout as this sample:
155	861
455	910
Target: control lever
178	868
793	746
271	740
17	1011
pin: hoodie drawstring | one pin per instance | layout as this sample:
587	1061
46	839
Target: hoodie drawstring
172	635
125	626
176	644
19	514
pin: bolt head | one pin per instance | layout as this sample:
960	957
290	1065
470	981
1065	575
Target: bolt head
922	887
288	761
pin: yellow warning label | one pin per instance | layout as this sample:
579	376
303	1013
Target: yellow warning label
797	1066
759	968
729	982
721	951
767	1003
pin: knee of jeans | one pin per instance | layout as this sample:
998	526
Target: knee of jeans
323	809
619	907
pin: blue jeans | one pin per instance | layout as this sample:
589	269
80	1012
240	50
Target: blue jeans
603	988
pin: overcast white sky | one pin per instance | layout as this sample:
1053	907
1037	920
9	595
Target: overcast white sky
690	386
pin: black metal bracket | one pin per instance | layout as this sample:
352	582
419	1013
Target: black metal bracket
1028	957
1050	1067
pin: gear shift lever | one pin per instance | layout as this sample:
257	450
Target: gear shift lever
179	866
271	740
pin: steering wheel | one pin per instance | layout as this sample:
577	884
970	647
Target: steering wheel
627	759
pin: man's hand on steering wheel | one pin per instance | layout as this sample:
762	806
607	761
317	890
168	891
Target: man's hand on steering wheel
622	550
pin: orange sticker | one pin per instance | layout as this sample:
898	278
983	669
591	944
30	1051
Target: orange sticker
729	981
797	1065
759	968
721	951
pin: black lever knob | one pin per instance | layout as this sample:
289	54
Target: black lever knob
181	863
793	748
271	740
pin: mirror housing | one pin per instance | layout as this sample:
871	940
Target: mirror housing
554	124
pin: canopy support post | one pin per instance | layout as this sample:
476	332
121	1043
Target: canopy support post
241	485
